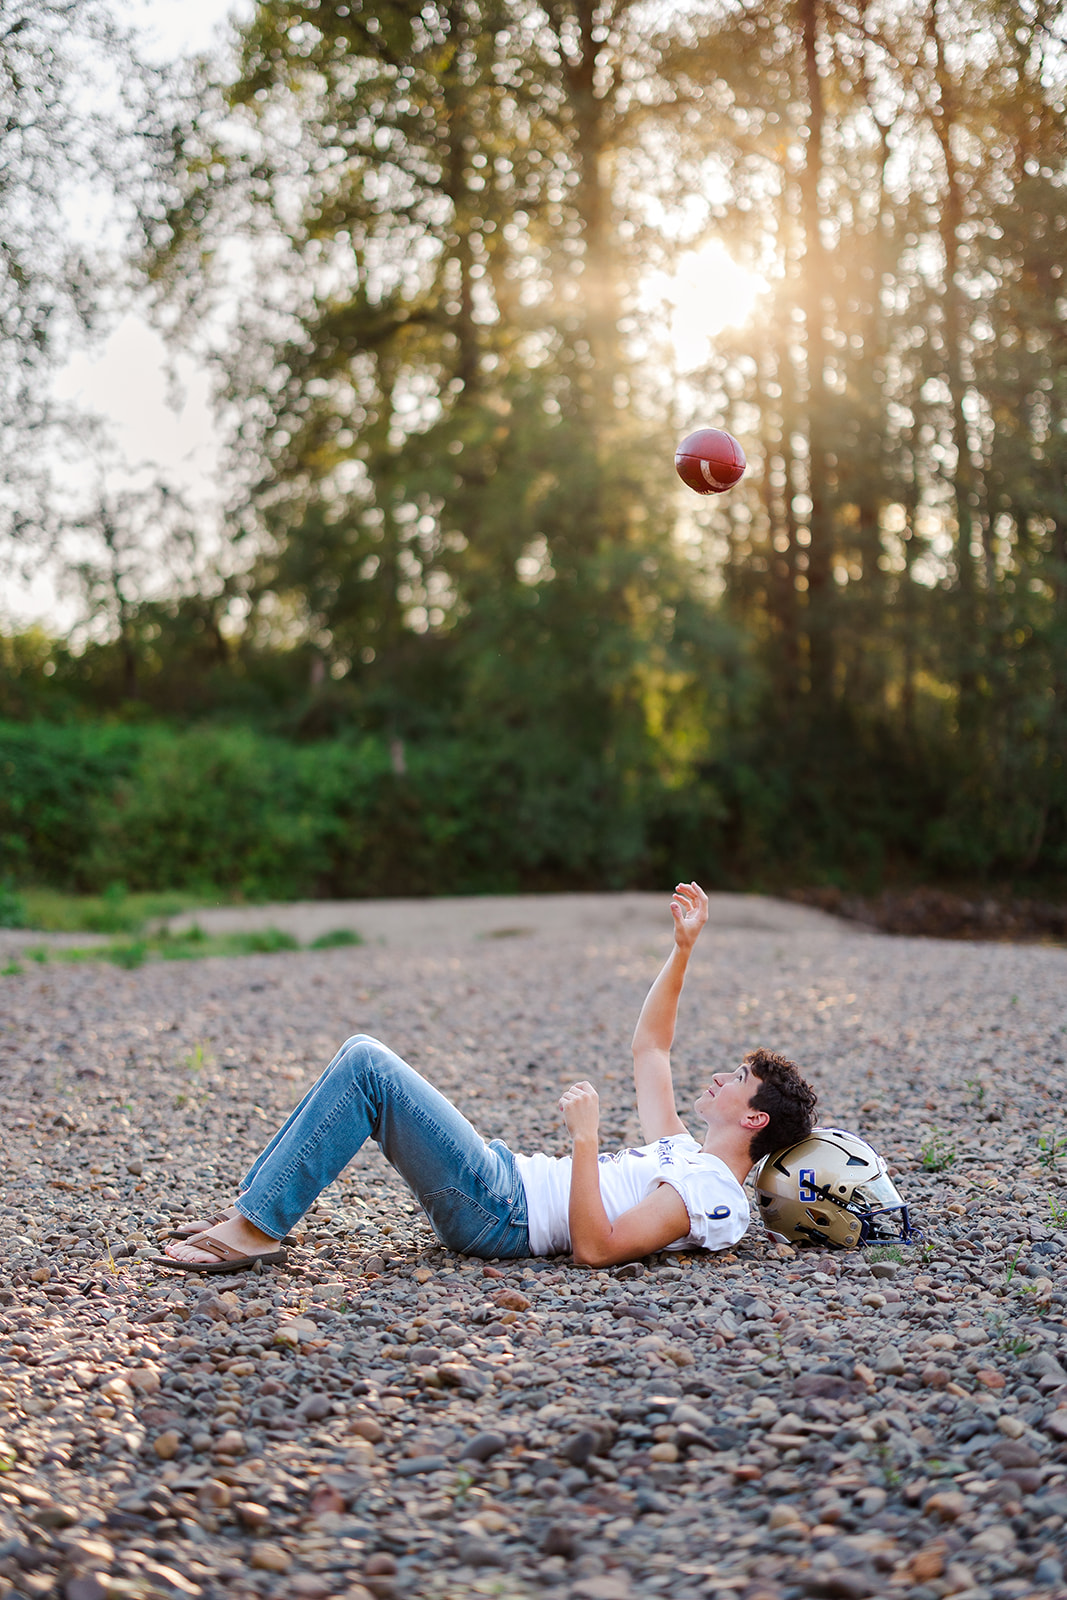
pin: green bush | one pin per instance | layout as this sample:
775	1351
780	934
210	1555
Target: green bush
224	807
12	908
250	814
266	818
52	778
132	811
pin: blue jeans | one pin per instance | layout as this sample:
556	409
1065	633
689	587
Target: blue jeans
471	1191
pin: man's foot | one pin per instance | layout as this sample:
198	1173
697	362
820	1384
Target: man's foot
188	1230
237	1233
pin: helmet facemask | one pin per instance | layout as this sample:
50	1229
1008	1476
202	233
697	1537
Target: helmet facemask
884	1216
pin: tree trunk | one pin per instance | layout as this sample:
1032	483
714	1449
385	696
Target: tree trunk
953	326
778	423
874	252
816	278
456	97
910	594
593	199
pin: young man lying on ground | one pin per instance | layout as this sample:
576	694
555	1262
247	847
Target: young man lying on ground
482	1199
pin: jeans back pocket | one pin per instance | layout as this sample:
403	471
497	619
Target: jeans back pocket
458	1221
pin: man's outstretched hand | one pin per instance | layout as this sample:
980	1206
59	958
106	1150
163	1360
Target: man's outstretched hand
580	1105
689	908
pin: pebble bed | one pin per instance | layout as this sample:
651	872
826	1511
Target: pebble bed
382	1419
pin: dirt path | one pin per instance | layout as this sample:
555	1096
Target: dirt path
448	922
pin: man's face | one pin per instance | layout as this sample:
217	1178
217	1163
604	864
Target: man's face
727	1097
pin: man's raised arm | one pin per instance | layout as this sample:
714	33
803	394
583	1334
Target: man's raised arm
654	1033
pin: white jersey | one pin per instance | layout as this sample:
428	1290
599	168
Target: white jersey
716	1203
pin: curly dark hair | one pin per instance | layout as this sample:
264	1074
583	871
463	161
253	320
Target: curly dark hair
788	1101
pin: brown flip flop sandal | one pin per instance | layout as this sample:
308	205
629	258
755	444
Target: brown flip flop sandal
189	1230
229	1259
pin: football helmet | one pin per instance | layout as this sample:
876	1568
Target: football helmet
831	1189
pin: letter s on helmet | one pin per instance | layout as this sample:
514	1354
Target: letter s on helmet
831	1189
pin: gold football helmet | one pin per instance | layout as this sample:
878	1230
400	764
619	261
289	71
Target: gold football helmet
831	1189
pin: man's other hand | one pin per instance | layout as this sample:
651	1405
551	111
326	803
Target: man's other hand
580	1105
689	908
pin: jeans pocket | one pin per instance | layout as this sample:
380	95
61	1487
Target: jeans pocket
458	1221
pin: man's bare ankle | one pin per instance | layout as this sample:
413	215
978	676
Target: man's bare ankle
247	1233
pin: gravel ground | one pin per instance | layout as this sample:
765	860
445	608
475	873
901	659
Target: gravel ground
383	1419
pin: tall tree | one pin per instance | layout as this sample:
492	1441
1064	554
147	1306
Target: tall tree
439	402
52	140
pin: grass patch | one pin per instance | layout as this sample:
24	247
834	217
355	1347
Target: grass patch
191	944
938	1152
135	919
885	1252
263	942
334	940
198	1059
1051	1148
129	955
114	911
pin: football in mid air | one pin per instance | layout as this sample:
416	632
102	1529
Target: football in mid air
709	461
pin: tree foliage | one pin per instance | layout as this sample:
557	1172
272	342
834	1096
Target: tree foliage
455	416
899	176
